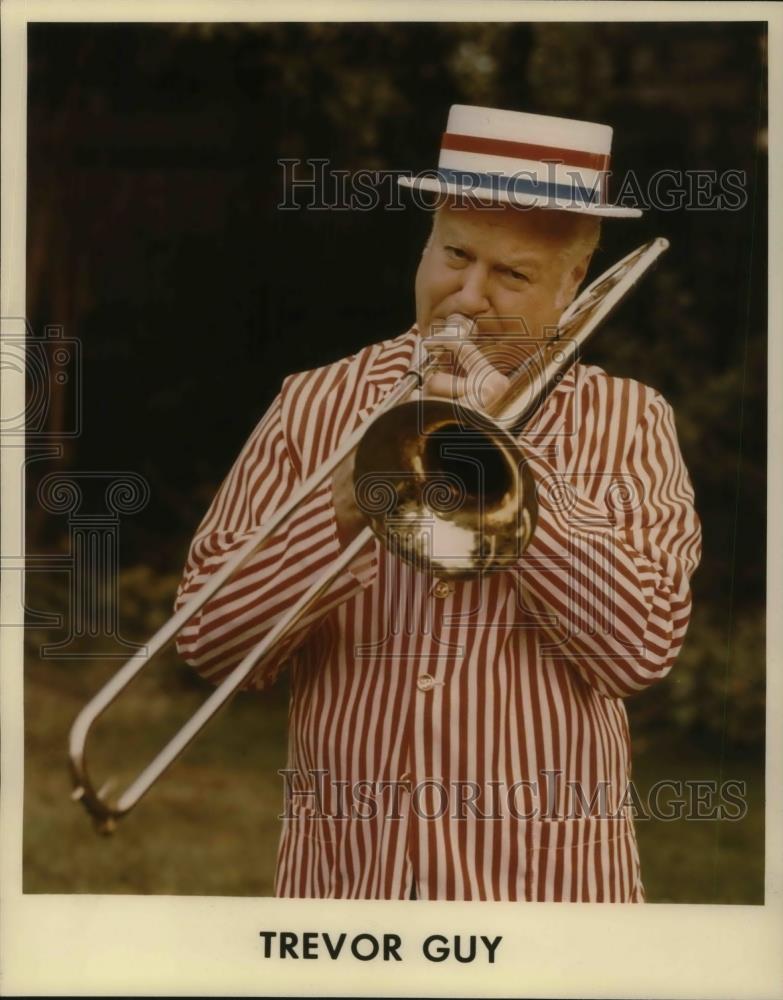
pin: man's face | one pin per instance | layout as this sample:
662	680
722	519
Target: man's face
499	266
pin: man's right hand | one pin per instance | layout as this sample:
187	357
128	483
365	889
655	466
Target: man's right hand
476	382
350	520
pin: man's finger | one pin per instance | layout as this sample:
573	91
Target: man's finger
444	385
483	382
478	391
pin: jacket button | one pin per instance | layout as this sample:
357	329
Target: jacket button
442	589
425	682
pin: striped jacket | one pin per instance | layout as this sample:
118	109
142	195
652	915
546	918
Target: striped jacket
468	739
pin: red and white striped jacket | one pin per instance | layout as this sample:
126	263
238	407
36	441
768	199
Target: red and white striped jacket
467	739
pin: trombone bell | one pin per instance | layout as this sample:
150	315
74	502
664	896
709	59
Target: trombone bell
445	488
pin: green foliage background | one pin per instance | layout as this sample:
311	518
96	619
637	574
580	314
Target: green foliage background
154	238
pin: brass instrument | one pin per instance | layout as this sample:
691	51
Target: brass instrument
410	481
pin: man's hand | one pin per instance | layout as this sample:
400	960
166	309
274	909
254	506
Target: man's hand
350	520
476	382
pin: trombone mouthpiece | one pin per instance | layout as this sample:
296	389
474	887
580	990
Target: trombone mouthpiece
454	327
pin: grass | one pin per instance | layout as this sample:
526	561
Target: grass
701	861
209	826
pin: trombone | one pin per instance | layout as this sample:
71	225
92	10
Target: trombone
467	530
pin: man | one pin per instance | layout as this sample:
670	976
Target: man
467	739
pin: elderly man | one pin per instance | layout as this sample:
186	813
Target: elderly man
467	739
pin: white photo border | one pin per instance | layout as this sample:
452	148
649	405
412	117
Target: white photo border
134	945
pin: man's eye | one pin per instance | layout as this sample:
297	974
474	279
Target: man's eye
518	276
455	253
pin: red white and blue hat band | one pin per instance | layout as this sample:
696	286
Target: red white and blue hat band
524	151
524	159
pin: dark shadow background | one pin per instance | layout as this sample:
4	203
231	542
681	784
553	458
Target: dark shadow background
154	239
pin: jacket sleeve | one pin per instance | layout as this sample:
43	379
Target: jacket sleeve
607	573
239	615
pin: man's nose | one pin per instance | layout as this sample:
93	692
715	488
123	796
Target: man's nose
472	297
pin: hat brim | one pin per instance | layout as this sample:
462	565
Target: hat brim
519	200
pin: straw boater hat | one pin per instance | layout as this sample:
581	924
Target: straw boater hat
524	160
